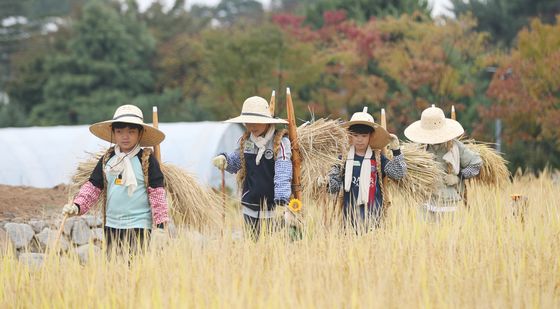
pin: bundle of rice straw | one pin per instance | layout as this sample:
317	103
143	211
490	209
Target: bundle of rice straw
423	176
189	203
494	169
321	144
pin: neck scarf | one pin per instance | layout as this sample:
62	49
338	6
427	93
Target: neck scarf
365	175
123	167
261	142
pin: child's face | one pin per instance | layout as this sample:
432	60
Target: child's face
360	141
257	129
126	138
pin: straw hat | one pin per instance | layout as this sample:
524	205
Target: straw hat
255	110
128	114
433	128
380	138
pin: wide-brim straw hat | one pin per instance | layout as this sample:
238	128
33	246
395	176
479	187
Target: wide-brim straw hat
255	110
380	137
128	114
433	128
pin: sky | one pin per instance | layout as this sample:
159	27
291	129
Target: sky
438	5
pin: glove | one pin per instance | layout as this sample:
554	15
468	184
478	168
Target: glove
451	179
394	144
289	218
70	210
159	238
220	162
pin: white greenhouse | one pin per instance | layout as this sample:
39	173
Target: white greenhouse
44	157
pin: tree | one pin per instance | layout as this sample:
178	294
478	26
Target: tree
504	18
107	63
526	95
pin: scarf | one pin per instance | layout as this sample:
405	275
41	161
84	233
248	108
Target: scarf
453	158
123	167
365	175
261	142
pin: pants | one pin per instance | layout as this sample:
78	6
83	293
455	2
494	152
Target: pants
255	226
362	218
134	240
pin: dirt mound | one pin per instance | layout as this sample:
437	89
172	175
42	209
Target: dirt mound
31	203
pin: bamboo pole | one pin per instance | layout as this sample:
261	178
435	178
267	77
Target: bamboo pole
272	104
453	114
155	119
296	156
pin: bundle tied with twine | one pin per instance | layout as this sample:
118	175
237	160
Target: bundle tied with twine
189	203
321	144
494	171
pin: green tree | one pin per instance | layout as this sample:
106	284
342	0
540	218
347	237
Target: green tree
504	18
106	63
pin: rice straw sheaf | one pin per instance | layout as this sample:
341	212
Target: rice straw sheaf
321	144
423	175
494	169
189	203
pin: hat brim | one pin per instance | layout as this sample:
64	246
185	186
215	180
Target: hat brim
450	130
379	139
150	135
256	119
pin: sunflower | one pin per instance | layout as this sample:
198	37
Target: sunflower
295	205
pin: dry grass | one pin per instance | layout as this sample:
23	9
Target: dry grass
322	142
494	169
482	257
189	202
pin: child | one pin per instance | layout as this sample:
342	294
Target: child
364	170
263	165
439	135
130	179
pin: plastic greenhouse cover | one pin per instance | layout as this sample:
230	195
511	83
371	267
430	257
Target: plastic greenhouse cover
44	157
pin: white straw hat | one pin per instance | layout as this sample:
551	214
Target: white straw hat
380	138
255	110
128	114
433	128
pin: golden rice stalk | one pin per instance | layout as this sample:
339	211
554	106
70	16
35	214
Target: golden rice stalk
189	203
423	176
321	144
494	169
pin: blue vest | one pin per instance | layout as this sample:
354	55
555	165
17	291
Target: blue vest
123	211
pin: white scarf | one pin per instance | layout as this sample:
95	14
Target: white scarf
365	175
453	158
123	167
261	142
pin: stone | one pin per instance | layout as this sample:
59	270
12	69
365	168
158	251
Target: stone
81	234
6	244
195	238
21	234
69	224
93	221
83	252
38	225
47	238
33	260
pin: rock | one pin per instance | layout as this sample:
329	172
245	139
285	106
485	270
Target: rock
47	238
6	244
69	224
196	238
34	260
93	221
20	234
97	234
81	234
83	252
38	225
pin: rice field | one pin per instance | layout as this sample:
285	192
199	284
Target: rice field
481	257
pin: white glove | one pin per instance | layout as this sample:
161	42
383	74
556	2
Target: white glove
289	217
394	144
451	179
70	210
220	162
